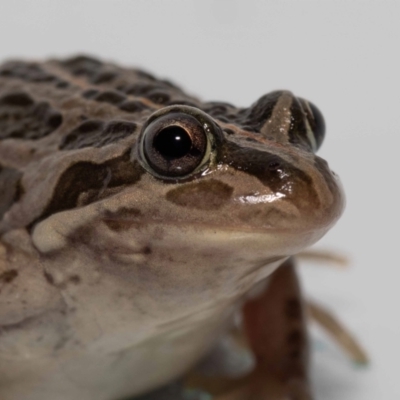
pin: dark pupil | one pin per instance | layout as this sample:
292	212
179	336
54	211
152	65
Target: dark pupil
173	142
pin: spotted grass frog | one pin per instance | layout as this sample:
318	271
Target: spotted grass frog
140	227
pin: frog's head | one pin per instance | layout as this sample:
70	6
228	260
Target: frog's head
251	174
209	196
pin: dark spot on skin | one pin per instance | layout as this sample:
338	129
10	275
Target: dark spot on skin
94	133
90	93
138	89
21	117
82	65
90	126
203	195
293	309
118	225
103	77
54	119
122	87
49	278
158	96
147	250
30	72
75	279
133	106
120	128
110	96
85	176
19	99
8	276
19	191
10	188
62	84
86	134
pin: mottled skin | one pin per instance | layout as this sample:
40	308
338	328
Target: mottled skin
115	279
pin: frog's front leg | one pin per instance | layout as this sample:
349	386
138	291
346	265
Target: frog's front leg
276	328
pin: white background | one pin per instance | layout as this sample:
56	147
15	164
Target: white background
343	56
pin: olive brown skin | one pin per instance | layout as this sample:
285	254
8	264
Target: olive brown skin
136	220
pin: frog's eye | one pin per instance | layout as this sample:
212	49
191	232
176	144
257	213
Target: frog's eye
315	124
174	144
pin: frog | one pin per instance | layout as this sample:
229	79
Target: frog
141	227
